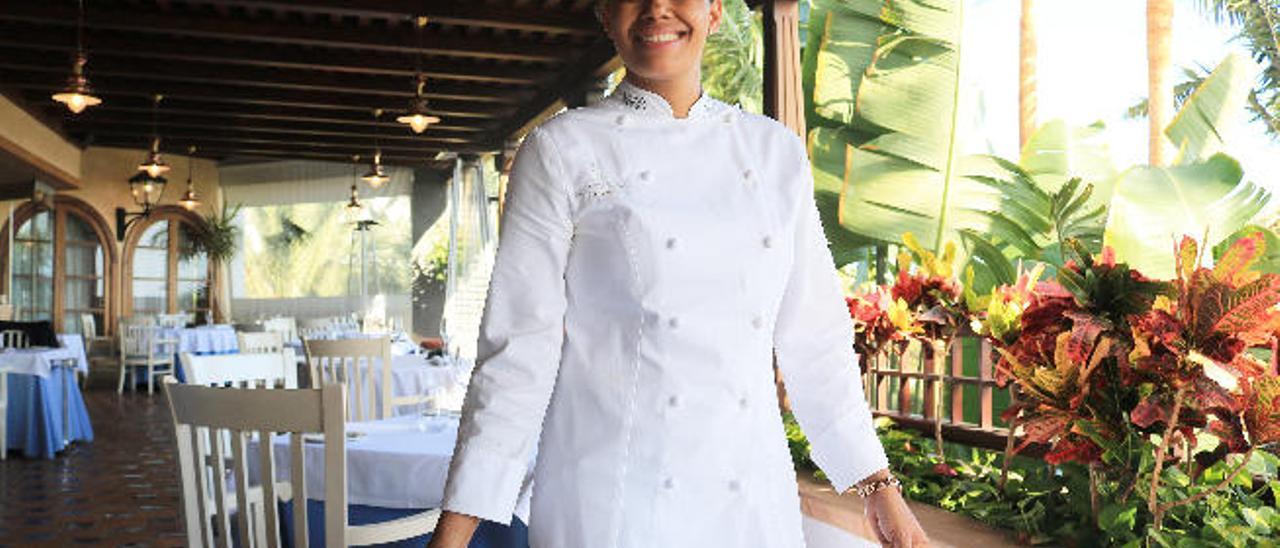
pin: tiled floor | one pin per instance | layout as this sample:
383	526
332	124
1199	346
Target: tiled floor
120	490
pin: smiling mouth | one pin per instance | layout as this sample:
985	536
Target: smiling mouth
661	38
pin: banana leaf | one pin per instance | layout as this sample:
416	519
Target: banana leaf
1199	127
882	88
1057	153
1153	207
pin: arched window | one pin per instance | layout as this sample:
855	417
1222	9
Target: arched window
164	272
61	265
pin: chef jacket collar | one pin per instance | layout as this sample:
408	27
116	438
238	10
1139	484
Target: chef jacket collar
651	104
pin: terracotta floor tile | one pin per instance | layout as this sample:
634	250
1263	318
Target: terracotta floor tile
120	490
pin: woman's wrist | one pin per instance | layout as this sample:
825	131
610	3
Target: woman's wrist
882	481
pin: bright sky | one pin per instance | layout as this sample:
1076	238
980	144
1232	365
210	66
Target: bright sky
1092	66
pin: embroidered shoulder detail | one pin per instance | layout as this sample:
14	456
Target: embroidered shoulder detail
600	184
633	100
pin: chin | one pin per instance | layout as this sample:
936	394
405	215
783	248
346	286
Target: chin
657	70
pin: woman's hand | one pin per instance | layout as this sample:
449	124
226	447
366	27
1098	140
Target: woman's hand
454	530
893	521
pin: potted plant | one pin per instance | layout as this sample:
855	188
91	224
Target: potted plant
218	239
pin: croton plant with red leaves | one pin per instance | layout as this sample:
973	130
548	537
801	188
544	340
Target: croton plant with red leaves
1105	354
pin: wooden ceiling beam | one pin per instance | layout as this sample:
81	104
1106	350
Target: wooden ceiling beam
234	54
472	14
205	73
136	105
217	135
108	86
398	38
223	152
596	62
398	134
179	117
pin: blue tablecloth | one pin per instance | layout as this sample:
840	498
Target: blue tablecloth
488	534
34	419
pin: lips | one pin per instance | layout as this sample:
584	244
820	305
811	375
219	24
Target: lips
660	38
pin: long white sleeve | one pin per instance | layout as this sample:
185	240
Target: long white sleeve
813	340
521	334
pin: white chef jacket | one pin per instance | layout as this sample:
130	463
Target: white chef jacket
648	268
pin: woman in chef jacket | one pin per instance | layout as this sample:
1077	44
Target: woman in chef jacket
656	251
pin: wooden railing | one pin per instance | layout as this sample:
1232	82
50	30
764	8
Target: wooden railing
954	384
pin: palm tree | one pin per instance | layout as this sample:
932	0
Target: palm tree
1026	74
1257	21
1159	38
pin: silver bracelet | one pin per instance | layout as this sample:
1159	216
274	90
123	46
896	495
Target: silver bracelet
865	491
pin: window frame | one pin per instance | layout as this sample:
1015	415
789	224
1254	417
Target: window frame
64	206
176	216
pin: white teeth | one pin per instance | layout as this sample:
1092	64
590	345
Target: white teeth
655	38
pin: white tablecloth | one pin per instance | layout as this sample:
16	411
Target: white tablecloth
38	361
75	343
393	464
415	374
400	343
204	339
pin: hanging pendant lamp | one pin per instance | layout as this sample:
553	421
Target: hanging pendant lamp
376	177
189	200
77	95
154	165
416	116
354	207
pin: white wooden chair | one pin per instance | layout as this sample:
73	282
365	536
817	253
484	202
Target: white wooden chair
142	346
14	338
89	332
287	327
266	342
362	364
268	370
171	321
201	413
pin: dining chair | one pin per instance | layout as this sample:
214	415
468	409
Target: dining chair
141	346
266	370
89	332
286	326
266	342
171	321
201	413
362	364
14	338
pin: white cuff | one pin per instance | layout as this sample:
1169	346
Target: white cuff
848	450
483	484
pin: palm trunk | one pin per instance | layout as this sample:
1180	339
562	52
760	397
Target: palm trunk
1159	93
1026	74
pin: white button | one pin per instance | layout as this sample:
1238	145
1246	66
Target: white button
757	322
669	483
728	118
767	242
742	402
746	174
671	243
644	175
673	401
620	119
673	322
734	485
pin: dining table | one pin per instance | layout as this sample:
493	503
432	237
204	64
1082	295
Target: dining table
44	408
396	467
200	340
